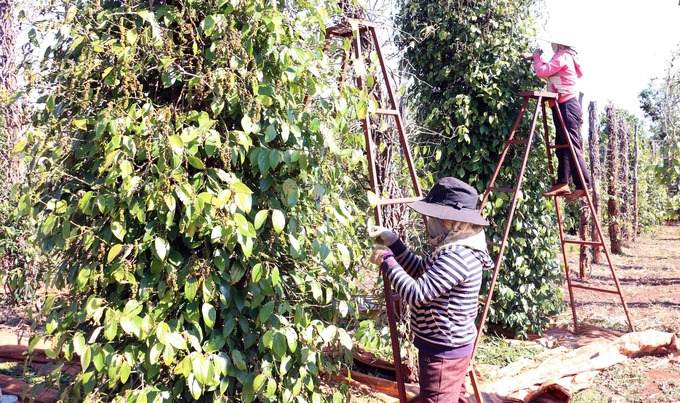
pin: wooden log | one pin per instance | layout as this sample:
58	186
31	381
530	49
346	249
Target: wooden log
385	386
370	359
20	353
13	386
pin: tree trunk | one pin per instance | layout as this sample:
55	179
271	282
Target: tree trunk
584	260
624	178
636	160
594	150
8	80
613	168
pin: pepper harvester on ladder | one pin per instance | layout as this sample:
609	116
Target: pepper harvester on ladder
542	98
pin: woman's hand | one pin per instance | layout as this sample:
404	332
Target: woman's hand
377	255
386	236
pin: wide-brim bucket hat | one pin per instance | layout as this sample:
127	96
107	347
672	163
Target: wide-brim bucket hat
451	199
561	37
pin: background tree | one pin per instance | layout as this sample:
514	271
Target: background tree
202	211
660	102
653	200
9	89
655	205
594	153
613	169
21	265
467	76
624	182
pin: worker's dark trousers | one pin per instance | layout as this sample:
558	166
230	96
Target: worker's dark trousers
442	381
571	113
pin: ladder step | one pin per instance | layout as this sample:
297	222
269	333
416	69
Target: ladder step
558	146
388	202
525	141
496	244
536	94
345	30
396	297
508	190
340	31
579	242
390	112
585	287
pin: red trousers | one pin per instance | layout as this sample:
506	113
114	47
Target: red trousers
442	381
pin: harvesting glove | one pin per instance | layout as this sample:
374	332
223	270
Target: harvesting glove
386	236
378	254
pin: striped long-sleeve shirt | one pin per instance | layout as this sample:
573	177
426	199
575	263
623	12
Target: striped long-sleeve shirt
442	291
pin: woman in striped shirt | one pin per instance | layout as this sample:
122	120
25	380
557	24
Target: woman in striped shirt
441	289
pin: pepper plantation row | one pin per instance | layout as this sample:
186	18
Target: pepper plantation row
196	194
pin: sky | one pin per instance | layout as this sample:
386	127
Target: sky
622	45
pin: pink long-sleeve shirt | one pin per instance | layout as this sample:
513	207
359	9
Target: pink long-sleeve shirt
562	72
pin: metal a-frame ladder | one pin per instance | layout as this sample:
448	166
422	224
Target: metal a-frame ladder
541	99
355	31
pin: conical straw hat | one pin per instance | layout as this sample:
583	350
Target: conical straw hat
561	37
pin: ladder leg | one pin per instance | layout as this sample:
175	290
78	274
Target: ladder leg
599	231
546	137
614	276
566	265
506	231
394	336
508	222
389	300
370	148
399	123
391	314
560	225
499	165
475	387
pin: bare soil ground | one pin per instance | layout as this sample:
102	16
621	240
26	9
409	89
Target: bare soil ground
648	271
